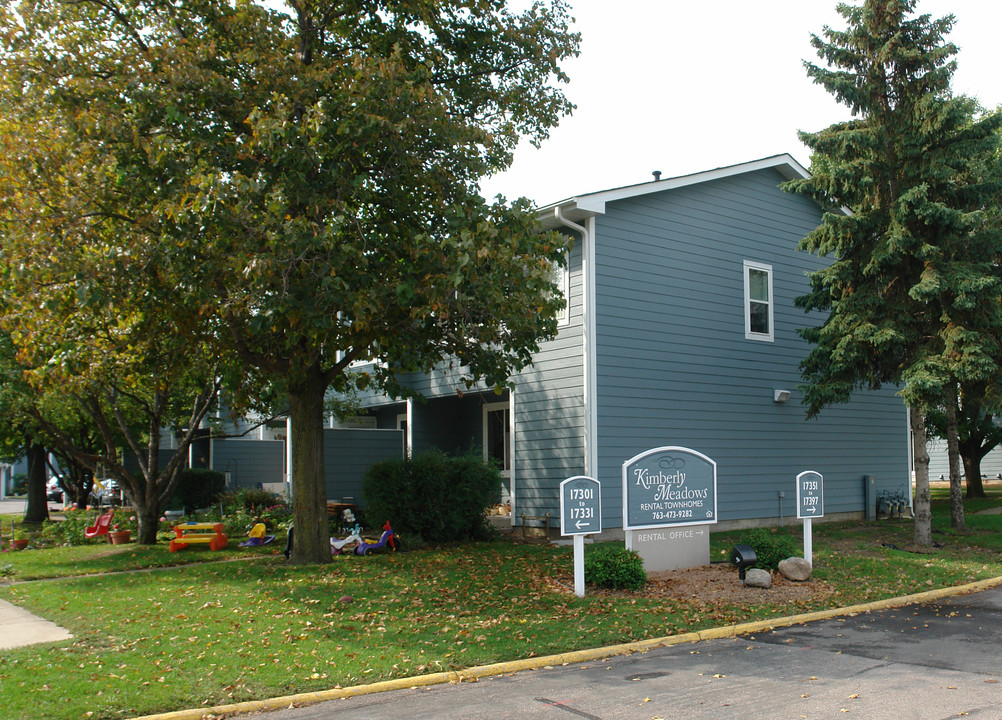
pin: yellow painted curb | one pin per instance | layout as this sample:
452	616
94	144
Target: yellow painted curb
577	656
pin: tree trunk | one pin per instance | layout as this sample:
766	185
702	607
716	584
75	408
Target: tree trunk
37	509
923	497
149	522
957	521
972	475
309	483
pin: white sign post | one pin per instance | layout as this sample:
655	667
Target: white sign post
580	515
810	505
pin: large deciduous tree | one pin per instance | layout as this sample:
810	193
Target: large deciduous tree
85	276
311	180
909	273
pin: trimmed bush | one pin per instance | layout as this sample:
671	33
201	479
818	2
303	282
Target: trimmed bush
199	488
611	565
771	546
432	496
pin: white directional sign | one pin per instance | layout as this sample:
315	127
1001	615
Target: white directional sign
580	506
580	515
810	505
810	495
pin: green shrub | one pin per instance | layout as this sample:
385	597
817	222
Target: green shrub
251	499
245	508
432	496
611	565
771	546
20	486
69	531
199	488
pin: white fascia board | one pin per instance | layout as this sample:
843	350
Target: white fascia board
582	207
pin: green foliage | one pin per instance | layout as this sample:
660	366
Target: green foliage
246	507
611	565
911	186
7	570
20	486
69	531
771	546
251	499
432	496
327	211
199	488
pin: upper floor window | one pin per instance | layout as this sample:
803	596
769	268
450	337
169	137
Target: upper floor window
561	278
758	301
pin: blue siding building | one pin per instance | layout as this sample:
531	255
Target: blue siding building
680	330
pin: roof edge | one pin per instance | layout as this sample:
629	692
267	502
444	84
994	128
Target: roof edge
581	207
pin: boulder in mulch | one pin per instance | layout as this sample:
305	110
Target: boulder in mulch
759	578
795	568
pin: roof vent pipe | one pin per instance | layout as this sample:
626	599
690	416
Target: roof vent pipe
657	175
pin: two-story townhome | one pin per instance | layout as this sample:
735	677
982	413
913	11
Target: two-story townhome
680	330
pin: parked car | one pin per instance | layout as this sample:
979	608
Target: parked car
53	492
105	492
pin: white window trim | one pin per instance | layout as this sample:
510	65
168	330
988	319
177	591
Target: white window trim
564	316
749	335
498	406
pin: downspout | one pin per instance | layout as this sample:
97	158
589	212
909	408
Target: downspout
588	334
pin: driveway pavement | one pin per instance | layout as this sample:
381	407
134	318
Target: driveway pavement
918	662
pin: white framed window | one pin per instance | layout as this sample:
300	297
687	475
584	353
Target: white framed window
561	278
497	436
758	301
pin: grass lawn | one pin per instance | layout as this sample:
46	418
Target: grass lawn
214	633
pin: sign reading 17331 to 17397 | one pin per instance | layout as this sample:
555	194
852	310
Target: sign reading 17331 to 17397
669	486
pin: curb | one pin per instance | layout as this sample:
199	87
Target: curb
537	663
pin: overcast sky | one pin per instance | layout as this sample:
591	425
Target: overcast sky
687	85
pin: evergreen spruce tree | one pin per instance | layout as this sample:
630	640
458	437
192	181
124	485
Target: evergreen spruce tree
905	181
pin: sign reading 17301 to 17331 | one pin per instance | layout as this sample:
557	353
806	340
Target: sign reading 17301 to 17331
669	486
580	506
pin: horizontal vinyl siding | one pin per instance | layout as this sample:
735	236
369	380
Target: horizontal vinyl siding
674	367
549	411
939	461
349	453
250	462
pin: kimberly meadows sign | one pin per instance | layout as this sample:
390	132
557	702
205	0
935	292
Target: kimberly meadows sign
669	486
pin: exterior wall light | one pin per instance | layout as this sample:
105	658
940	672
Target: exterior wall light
780	396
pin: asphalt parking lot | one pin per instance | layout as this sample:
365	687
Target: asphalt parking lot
920	662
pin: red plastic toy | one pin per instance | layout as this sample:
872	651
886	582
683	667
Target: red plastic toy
100	526
207	533
387	539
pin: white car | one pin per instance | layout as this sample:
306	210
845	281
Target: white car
53	492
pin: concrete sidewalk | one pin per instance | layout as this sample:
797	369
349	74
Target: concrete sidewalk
18	628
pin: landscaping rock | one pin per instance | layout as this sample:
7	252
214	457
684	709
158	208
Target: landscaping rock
758	578
795	568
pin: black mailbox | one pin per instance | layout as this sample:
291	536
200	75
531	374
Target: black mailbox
744	557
